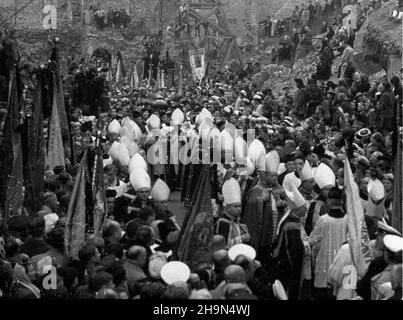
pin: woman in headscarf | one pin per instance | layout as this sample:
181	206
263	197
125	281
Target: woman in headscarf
24	274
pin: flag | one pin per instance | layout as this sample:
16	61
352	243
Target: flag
74	233
357	229
198	64
34	153
397	205
55	147
198	229
120	72
109	76
162	78
158	82
60	94
150	71
134	78
98	189
11	165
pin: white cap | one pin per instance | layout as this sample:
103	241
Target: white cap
227	143
241	249
160	191
306	172
132	146
203	115
393	243
137	131
114	150
281	168
128	132
375	209
240	150
204	131
137	162
175	271
154	121
272	161
130	129
231	192
165	130
114	126
215	136
257	97
278	290
50	221
291	179
248	169
295	199
177	117
324	176
140	179
376	190
106	162
257	154
124	156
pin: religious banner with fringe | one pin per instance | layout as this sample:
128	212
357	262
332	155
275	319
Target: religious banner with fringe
55	149
198	228
11	164
74	233
357	229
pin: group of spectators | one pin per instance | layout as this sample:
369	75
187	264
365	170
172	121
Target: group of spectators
302	128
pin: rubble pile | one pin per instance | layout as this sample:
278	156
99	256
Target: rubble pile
279	76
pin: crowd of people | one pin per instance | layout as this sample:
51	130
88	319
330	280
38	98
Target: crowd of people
298	39
279	204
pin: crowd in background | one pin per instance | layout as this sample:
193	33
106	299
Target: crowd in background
306	134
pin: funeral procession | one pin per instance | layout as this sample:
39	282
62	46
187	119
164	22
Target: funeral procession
201	150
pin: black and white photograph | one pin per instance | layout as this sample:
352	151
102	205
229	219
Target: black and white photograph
229	152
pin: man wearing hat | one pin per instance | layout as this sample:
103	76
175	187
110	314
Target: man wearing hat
160	195
306	188
300	100
289	165
261	212
290	250
127	207
229	225
314	97
324	180
393	251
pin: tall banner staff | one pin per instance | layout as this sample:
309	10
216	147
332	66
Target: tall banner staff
150	71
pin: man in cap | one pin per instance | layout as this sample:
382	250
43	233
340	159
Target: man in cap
314	206
127	207
229	225
325	180
289	165
257	105
139	121
393	255
314	97
112	182
300	100
160	195
290	248
239	100
261	213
